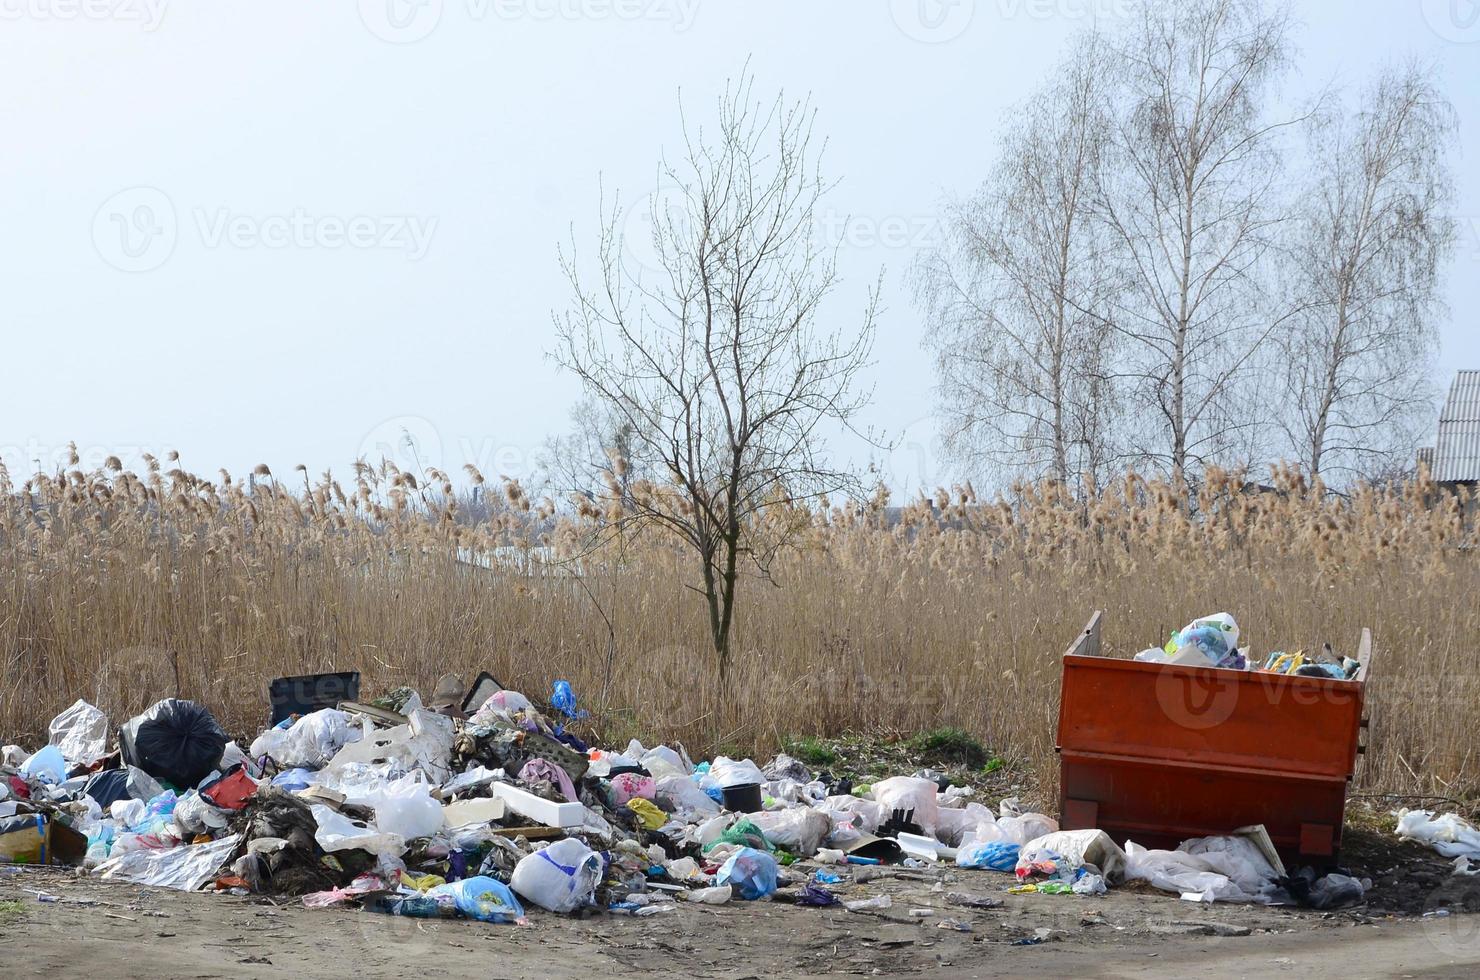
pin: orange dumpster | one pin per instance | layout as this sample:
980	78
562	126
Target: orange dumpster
1159	753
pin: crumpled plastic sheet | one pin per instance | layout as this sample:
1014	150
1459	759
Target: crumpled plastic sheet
1450	834
183	868
81	733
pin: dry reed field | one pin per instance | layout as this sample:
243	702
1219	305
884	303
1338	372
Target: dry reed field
123	588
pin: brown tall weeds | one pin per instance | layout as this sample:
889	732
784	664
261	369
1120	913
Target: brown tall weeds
124	587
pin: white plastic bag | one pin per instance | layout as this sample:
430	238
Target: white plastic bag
663	761
1450	834
1196	877
800	829
680	794
1239	858
336	832
310	742
1021	828
81	733
559	878
404	807
866	815
194	815
1078	848
954	825
730	772
909	793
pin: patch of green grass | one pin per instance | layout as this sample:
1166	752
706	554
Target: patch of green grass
811	750
11	913
951	745
993	764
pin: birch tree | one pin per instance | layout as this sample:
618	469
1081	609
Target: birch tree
1187	193
1017	299
1374	229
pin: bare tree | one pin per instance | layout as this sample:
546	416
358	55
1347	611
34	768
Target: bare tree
1187	195
719	365
1017	298
1372	235
595	456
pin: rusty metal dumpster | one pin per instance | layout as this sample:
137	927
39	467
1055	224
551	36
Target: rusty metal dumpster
1159	753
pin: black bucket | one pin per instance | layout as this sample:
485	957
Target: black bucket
745	798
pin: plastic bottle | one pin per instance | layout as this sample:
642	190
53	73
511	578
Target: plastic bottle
708	896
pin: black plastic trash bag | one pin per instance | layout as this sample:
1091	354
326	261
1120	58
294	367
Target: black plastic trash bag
175	741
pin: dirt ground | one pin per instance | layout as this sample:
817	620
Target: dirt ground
59	923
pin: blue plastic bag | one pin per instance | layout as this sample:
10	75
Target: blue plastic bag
292	780
751	873
564	701
46	767
480	898
996	855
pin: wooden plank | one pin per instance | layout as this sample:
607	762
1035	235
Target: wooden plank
1087	643
1364	655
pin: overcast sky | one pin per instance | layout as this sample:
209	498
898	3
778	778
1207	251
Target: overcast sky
281	232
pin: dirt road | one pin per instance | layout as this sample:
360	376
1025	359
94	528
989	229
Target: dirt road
54	923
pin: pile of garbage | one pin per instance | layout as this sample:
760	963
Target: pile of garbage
1213	641
482	806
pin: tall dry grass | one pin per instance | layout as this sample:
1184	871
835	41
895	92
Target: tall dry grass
123	588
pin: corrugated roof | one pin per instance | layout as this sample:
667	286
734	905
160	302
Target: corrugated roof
1457	450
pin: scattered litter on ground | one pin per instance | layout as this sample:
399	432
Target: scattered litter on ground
489	806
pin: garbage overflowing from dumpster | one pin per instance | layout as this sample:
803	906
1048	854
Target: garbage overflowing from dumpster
1215	641
490	806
